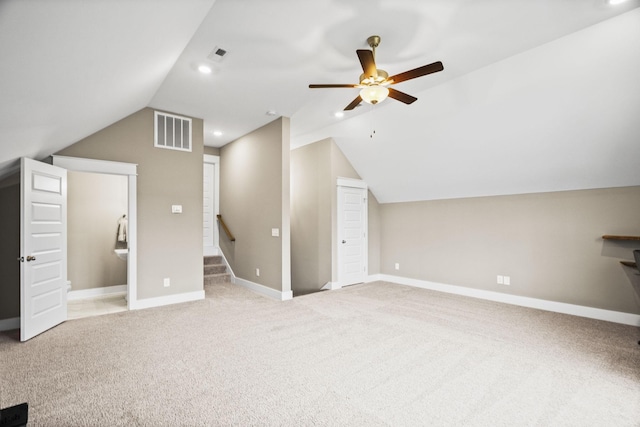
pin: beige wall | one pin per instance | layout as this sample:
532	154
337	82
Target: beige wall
549	244
212	151
169	245
95	203
315	169
254	186
10	248
311	236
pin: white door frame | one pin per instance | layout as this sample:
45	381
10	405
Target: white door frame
352	183
129	170
215	161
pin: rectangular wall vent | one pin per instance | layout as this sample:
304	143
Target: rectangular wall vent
172	132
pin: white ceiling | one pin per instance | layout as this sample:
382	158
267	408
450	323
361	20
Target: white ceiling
535	95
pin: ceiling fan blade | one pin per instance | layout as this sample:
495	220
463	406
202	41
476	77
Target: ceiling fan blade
329	86
401	96
353	104
417	72
367	62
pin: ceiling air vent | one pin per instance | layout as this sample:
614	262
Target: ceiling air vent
172	132
217	54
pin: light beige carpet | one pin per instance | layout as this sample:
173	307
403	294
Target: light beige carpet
367	355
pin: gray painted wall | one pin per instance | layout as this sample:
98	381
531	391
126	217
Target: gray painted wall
95	203
169	245
548	243
254	187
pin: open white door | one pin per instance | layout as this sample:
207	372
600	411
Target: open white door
43	247
210	203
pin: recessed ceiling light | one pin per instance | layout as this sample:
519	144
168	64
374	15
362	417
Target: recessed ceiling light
204	69
271	113
217	133
339	114
615	2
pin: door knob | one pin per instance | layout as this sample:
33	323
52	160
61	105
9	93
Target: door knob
30	258
344	241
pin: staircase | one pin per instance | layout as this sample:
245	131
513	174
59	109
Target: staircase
215	271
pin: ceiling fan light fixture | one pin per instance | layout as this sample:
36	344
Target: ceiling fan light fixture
374	94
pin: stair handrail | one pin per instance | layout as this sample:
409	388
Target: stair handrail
225	228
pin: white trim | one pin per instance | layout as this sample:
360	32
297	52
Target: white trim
540	304
215	161
166	300
96	292
351	182
132	255
95	166
130	170
373	278
331	286
264	290
9	324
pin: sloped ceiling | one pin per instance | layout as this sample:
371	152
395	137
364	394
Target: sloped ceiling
535	96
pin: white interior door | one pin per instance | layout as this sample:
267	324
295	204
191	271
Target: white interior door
43	247
210	176
352	235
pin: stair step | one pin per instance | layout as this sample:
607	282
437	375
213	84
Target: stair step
214	279
214	269
213	259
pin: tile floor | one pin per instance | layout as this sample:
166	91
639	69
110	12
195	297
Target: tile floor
96	306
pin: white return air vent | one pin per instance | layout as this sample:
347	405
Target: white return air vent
172	132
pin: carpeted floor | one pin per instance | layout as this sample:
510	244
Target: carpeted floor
367	355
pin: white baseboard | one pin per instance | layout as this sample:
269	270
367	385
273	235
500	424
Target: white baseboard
558	307
264	290
331	286
166	300
9	324
96	292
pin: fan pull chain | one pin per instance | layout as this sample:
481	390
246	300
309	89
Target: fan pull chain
373	130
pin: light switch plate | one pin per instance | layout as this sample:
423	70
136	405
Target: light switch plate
275	232
176	209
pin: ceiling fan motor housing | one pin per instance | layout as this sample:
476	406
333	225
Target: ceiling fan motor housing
374	80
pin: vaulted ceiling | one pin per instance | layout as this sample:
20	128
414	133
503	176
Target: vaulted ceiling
535	96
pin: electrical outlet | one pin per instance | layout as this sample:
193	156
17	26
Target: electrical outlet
507	280
500	280
167	282
397	266
258	272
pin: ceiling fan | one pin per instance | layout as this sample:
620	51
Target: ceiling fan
374	83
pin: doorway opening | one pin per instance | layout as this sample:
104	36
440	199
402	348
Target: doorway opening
97	243
121	172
